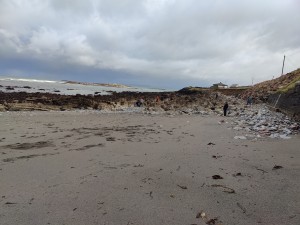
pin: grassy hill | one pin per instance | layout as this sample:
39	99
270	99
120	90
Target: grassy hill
281	84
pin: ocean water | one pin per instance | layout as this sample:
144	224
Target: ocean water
61	87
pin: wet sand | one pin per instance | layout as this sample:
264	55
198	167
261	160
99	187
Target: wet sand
115	169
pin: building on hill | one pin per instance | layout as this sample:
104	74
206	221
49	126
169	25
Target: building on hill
219	86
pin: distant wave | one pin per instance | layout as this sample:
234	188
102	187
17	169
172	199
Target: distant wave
30	80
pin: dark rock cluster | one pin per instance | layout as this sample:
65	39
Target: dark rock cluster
164	101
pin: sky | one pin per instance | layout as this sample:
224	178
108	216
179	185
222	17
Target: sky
152	43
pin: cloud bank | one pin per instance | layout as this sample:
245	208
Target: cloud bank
162	43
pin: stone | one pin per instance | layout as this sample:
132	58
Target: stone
238	128
272	129
276	135
287	131
284	136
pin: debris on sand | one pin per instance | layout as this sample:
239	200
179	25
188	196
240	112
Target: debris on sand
201	214
237	174
150	194
182	187
10	203
224	188
276	167
206	219
212	221
217	177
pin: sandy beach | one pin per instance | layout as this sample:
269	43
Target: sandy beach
85	167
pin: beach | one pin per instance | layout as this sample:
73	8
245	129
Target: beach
88	167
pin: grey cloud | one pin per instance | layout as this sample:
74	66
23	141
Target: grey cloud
119	10
171	40
75	7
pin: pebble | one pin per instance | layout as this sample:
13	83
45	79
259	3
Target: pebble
259	120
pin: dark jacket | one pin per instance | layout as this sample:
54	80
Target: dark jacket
225	107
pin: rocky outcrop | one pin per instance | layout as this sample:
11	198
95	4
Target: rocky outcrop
225	91
160	101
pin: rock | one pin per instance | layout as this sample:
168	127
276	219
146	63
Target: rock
2	108
201	214
275	135
272	129
287	131
238	128
276	167
217	177
284	136
295	127
210	143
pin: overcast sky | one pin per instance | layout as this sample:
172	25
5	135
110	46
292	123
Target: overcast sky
158	43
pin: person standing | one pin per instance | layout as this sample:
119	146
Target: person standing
157	99
249	100
140	102
225	108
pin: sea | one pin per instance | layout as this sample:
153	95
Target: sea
8	84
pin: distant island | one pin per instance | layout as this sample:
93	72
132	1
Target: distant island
96	84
